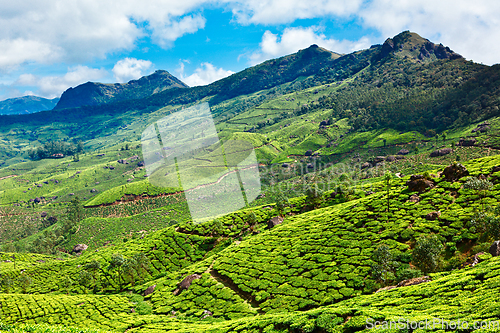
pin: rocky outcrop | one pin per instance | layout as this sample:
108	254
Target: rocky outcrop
455	172
441	152
469	142
403	152
414	198
149	290
419	183
274	221
79	248
495	249
186	283
414	281
433	215
482	128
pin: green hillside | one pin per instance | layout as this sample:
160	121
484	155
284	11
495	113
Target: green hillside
379	201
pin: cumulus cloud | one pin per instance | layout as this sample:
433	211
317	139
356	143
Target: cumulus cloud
285	11
471	28
79	30
294	39
203	75
54	86
130	69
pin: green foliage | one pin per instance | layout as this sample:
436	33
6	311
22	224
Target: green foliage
427	253
487	222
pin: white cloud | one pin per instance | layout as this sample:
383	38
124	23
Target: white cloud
203	75
285	11
130	69
471	28
294	39
73	31
53	86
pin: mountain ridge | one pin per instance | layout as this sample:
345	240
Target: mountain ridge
26	105
94	93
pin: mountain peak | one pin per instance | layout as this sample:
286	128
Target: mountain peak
411	45
94	93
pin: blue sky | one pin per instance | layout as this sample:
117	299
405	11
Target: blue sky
47	46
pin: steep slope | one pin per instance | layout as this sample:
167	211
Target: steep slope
26	104
92	93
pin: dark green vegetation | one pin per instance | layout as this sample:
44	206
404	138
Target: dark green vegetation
340	215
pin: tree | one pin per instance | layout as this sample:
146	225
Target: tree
427	252
314	195
281	203
385	266
480	186
116	264
85	279
93	268
487	222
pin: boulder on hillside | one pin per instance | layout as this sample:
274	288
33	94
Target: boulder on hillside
418	183
365	165
186	283
467	142
274	221
433	215
414	198
149	290
495	249
414	281
482	128
308	153
140	164
206	314
79	248
441	152
495	169
454	172
403	152
390	158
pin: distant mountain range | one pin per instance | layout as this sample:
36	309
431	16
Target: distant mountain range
26	104
93	93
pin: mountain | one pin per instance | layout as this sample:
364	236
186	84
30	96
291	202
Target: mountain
26	104
92	93
379	175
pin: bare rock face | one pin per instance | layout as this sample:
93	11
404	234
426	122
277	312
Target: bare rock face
441	152
403	152
467	142
482	128
79	248
418	183
390	158
455	172
495	249
186	283
414	281
274	221
150	290
414	198
433	215
365	165
206	314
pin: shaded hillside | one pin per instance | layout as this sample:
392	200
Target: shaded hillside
92	93
26	104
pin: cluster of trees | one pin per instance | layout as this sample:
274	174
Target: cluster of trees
124	270
50	240
55	150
